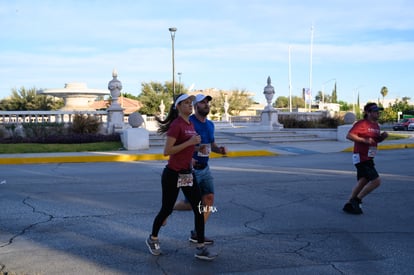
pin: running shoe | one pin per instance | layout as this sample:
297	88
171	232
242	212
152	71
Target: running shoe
154	246
202	253
193	238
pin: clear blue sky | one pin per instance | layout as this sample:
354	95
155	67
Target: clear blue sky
224	44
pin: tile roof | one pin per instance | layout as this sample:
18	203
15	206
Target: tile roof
129	105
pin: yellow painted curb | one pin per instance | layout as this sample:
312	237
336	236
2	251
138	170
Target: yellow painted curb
120	158
396	146
73	159
386	147
254	153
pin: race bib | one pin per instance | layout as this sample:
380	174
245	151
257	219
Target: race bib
355	159
185	180
372	151
204	150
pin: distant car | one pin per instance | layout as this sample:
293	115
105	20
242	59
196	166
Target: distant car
403	124
410	126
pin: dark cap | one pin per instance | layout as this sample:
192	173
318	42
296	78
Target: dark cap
372	107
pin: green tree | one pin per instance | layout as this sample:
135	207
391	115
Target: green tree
358	109
390	113
384	92
151	95
344	106
321	97
298	102
238	100
283	102
334	96
128	95
27	99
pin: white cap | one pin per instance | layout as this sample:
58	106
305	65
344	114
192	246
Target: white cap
182	98
201	97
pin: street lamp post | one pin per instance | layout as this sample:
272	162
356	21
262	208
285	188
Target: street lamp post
172	32
290	83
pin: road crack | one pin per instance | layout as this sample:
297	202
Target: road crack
27	228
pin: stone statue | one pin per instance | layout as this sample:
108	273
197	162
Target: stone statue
115	111
226	109
115	87
269	92
269	116
162	109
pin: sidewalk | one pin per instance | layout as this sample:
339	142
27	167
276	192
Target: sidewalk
248	149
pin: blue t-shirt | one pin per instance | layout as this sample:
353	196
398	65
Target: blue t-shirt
206	132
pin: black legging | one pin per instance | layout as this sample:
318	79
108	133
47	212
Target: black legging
169	196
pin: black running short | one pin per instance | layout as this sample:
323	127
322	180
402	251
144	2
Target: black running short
366	170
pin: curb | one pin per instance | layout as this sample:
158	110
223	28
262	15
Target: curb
387	147
121	157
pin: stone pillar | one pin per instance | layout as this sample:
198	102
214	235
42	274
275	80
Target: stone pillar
115	111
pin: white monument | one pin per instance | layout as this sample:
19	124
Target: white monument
342	130
135	138
269	116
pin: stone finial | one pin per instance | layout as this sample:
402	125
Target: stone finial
269	91
115	87
135	120
349	118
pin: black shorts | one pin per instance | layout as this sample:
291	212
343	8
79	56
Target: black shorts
366	170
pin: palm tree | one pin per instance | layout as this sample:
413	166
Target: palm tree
384	92
27	99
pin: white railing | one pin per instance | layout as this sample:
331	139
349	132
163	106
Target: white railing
19	117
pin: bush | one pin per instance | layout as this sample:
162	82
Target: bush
326	122
84	124
84	130
42	130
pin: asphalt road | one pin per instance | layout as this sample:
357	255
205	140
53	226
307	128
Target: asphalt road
275	215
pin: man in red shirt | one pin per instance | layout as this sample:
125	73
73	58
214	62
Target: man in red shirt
366	135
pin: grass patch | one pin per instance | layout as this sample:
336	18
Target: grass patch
22	148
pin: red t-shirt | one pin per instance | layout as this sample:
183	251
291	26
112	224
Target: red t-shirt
181	131
366	129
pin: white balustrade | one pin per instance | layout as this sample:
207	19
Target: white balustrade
19	117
